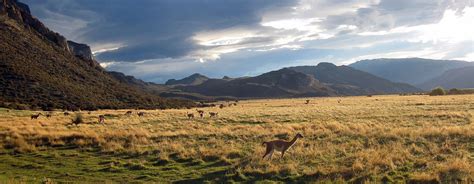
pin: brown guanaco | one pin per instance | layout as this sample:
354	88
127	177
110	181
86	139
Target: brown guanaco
190	115
213	114
280	146
101	119
35	116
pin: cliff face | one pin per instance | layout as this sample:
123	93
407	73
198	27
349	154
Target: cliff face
21	13
83	51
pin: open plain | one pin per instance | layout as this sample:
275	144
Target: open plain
346	139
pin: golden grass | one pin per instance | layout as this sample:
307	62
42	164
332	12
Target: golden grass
420	138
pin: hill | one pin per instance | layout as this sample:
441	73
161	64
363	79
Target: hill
349	81
324	79
413	71
455	78
281	83
40	68
194	79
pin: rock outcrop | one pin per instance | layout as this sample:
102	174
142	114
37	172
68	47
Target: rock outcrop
83	51
80	50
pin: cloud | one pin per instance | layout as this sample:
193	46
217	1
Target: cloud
150	29
160	39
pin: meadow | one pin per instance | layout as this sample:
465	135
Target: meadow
403	139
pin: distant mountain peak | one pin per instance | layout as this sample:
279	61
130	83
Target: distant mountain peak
194	79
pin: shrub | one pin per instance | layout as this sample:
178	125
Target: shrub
438	91
78	119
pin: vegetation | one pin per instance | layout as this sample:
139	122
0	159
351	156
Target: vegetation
456	91
437	92
352	139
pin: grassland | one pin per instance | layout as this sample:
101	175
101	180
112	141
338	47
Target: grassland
347	139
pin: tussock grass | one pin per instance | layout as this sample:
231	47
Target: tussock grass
379	139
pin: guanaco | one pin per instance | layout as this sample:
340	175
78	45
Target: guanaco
201	113
48	115
190	115
141	113
128	113
35	116
101	119
221	106
280	146
213	114
307	102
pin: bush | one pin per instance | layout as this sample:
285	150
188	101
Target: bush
78	119
438	91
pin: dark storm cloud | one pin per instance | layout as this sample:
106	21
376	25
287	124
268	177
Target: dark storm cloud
151	29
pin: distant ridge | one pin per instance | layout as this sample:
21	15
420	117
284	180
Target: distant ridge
414	71
194	79
349	81
454	78
325	79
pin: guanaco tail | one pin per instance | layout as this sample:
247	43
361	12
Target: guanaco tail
280	146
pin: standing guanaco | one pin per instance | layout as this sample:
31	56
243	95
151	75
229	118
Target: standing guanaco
213	114
201	113
190	115
280	146
35	116
101	119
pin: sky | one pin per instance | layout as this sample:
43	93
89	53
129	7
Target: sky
156	40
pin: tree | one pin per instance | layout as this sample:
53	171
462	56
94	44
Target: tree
438	91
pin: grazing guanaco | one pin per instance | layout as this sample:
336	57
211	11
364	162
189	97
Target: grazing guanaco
101	119
66	113
280	146
190	115
128	113
35	116
141	113
213	114
201	113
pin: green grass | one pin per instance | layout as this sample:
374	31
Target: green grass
65	165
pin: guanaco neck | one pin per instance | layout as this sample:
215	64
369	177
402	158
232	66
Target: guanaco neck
293	141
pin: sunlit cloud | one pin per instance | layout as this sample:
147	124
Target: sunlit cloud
251	37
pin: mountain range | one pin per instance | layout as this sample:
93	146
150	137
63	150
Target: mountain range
325	79
422	73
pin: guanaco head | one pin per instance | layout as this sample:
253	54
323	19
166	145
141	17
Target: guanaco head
299	135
